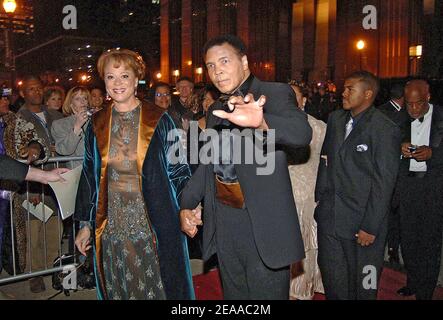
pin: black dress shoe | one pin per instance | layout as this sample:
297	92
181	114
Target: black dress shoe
406	291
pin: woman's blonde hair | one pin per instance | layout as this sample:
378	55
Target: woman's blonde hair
129	58
67	104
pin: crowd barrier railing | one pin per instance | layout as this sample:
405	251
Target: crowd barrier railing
63	246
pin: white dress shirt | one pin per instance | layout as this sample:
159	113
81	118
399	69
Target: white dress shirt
420	135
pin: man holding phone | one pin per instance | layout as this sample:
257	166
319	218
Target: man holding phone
419	191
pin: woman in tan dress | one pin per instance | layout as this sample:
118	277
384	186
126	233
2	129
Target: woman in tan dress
129	190
305	275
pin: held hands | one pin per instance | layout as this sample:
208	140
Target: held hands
246	112
83	240
364	239
189	220
422	153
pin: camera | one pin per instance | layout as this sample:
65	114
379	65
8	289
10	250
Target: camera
412	148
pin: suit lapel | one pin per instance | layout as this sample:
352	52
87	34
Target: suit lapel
255	88
436	134
48	118
340	129
212	120
358	128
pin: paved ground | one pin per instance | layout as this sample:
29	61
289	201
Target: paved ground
20	290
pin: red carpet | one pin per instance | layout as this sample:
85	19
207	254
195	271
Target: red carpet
208	286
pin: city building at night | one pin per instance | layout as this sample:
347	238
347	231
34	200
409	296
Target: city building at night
15	28
70	55
311	40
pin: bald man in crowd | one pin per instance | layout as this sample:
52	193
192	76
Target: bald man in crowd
419	192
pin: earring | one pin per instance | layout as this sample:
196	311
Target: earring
107	96
135	93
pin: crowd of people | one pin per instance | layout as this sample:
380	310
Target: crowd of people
349	179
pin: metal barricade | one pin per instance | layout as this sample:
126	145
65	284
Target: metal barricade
29	271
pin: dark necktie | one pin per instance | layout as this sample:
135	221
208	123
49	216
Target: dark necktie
225	170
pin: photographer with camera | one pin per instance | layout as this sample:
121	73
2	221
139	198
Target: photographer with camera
68	132
418	192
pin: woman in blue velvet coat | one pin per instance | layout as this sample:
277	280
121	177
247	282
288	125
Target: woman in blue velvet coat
128	193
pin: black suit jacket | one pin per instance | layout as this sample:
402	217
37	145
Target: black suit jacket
435	164
269	199
11	169
355	186
399	117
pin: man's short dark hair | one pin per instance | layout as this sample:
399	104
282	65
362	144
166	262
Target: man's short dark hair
397	91
160	84
234	41
369	79
31	77
184	79
97	88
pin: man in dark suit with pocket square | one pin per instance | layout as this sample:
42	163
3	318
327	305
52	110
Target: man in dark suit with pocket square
357	174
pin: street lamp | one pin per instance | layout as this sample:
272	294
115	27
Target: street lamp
10	6
176	74
360	47
199	72
415	54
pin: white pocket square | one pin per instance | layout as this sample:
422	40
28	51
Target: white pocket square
362	148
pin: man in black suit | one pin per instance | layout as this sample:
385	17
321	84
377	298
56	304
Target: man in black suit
357	175
179	109
321	101
250	219
395	110
19	172
419	192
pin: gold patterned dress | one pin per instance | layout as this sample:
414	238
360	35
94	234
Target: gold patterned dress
130	261
305	276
